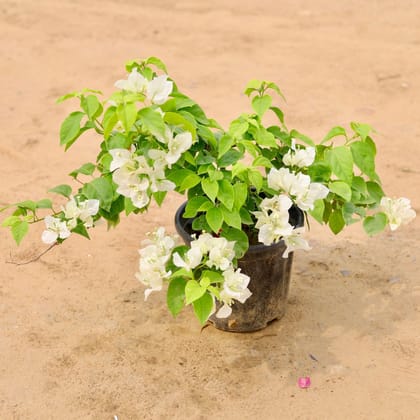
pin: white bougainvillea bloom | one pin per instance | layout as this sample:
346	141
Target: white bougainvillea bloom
178	145
235	287
300	157
295	241
120	157
398	211
280	203
298	186
191	260
316	191
272	227
221	253
135	82
55	229
159	89
153	259
84	210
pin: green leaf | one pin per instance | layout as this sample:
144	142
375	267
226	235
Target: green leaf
210	277
340	188
318	211
184	179
229	158
341	161
272	85
252	86
239	237
375	224
203	307
70	128
364	157
262	161
261	104
62	189
102	190
157	62
319	172
238	128
127	114
264	138
19	230
81	230
362	130
240	194
27	204
175	297
296	135
196	204
225	144
110	120
175	119
226	194
375	191
159	196
278	112
231	218
336	221
334	132
118	141
152	121
210	187
255	178
193	291
45	203
214	218
85	169
91	106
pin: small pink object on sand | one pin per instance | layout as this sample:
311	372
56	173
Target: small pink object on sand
304	382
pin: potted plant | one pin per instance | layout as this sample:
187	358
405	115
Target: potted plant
249	191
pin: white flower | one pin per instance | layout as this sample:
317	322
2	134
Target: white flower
235	287
153	259
221	253
298	186
295	241
120	157
55	229
191	260
315	191
135	82
83	210
398	211
273	220
280	203
178	145
300	158
159	89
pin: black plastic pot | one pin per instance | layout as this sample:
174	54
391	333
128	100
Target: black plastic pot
269	284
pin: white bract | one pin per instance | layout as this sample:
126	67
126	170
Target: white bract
153	259
398	211
300	157
295	241
55	229
235	287
135	82
159	89
298	186
83	210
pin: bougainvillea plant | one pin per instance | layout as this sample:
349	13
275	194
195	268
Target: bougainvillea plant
239	183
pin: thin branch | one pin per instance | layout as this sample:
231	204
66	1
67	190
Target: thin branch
35	258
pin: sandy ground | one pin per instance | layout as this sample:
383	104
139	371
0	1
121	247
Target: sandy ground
77	341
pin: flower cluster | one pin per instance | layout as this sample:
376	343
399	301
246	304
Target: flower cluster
153	259
217	254
292	188
73	213
398	211
156	91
